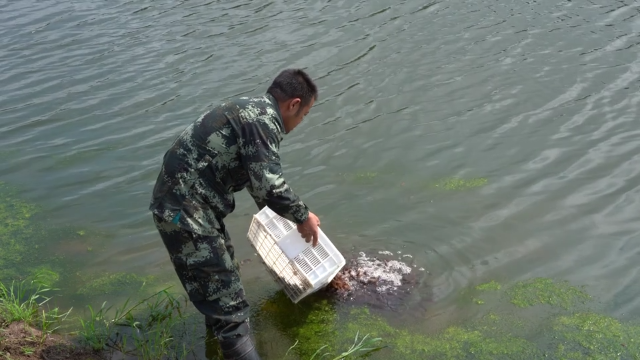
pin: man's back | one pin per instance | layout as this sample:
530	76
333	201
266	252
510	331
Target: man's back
227	149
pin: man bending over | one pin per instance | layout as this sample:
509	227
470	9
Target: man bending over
232	147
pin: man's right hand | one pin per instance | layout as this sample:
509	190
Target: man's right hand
309	229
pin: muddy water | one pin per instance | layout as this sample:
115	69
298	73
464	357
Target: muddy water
534	105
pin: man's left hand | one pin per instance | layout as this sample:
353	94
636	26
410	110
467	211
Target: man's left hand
309	229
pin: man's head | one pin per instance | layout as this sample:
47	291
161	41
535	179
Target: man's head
296	94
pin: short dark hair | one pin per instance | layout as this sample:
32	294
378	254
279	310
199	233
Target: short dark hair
293	83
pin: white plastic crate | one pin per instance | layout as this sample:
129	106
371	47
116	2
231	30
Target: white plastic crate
298	267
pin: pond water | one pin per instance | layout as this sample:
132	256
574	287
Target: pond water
489	140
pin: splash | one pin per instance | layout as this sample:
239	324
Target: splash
366	277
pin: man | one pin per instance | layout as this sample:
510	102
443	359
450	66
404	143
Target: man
232	147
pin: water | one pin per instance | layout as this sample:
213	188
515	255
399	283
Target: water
538	97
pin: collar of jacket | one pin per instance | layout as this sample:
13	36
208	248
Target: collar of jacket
276	107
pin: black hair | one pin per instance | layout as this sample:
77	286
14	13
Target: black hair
293	83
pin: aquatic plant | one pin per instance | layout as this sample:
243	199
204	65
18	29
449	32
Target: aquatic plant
23	302
15	226
312	323
492	285
364	347
546	291
454	183
44	275
112	283
14	308
587	335
456	342
146	329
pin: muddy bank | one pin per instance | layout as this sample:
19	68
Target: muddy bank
20	341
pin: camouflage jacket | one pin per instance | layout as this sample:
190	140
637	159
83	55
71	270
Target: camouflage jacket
232	147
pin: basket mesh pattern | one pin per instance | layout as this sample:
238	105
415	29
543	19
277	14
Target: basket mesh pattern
279	266
310	258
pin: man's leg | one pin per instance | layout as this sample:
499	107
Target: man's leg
210	275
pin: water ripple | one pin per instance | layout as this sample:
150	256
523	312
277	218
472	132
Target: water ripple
541	98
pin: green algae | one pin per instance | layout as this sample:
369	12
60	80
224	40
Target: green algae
15	226
498	334
362	319
478	301
455	342
454	183
113	283
588	335
546	291
490	286
460	343
312	323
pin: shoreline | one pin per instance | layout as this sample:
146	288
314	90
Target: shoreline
154	327
157	327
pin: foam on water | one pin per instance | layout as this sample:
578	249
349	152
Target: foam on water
366	274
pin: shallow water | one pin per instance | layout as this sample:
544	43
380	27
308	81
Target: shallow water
540	98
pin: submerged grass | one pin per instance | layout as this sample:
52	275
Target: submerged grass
546	291
112	283
158	326
15	228
146	329
155	327
566	331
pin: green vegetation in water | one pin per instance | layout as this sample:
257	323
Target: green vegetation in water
490	286
478	301
455	342
594	336
22	237
44	275
496	335
312	323
15	227
155	327
454	183
114	283
546	291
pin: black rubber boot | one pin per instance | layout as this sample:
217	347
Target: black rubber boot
239	348
209	322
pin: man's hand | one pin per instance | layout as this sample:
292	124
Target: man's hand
309	229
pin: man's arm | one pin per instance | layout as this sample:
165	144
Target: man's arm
259	148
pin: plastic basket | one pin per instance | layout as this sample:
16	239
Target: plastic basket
298	267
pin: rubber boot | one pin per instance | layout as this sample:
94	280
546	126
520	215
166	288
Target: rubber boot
239	348
209	322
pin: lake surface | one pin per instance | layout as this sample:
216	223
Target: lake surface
540	98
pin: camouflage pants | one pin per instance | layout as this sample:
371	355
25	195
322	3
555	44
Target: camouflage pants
210	275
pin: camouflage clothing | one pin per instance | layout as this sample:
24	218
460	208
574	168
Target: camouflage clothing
210	275
227	149
232	147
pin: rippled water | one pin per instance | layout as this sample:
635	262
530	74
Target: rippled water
539	97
